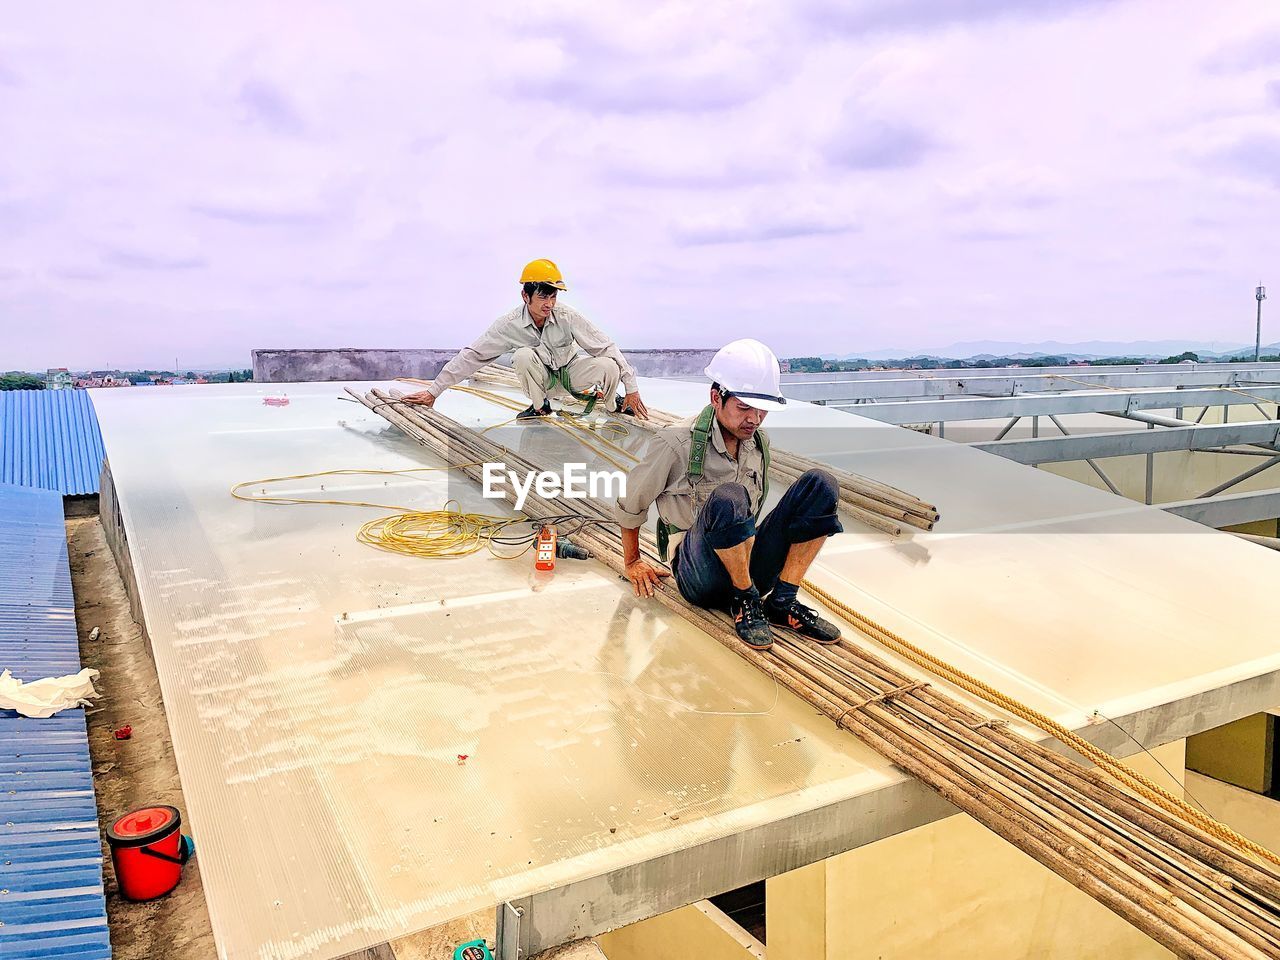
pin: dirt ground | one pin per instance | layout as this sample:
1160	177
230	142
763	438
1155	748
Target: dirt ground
136	772
141	771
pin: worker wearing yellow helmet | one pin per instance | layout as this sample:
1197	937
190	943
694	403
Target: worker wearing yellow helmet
709	477
553	347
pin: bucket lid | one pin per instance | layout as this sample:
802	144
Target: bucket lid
146	825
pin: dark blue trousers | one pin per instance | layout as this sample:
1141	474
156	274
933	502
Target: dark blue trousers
806	511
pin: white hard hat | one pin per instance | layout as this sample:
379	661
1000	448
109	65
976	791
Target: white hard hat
749	370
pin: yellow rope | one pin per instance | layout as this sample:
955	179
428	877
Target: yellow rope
1117	769
438	534
1086	383
429	534
1243	394
265	498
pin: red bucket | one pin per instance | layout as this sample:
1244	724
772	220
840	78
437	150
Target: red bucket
148	852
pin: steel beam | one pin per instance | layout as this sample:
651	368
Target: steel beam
925	384
1264	371
1271	543
1083	401
1092	464
1152	418
1228	509
1251	472
1009	426
1131	442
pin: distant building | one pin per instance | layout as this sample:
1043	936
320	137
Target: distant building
59	378
107	380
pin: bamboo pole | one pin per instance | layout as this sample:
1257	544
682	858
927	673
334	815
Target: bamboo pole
857	491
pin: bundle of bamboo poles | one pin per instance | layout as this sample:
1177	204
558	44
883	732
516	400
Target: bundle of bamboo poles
871	502
1192	892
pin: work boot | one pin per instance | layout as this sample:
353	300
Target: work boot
617	407
532	411
803	620
749	620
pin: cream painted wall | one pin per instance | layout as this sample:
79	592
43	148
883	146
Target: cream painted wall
700	930
1255	816
796	913
951	889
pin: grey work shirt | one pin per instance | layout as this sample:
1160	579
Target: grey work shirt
663	476
557	343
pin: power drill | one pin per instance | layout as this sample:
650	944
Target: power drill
566	549
549	546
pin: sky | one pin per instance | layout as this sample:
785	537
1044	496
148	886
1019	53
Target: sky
193	181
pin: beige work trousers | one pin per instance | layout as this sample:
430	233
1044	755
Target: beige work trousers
584	373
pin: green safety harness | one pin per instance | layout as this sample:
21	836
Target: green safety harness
561	376
697	459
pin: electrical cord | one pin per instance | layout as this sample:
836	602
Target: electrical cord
429	534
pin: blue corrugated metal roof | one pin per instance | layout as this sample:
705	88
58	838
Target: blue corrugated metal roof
50	439
51	894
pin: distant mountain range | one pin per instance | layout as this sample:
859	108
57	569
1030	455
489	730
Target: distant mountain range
1084	350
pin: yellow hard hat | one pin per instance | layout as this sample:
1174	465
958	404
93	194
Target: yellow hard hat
543	271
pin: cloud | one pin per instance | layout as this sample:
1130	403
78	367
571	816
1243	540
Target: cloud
8	76
1273	93
868	144
674	60
989	235
641	90
1192	272
259	216
757	226
1255	156
298	167
267	105
696	167
1248	53
872	15
1003	187
79	273
137	260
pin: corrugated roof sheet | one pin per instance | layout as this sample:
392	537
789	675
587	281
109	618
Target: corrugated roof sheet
50	439
51	895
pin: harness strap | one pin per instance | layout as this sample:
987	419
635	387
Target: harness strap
560	376
701	433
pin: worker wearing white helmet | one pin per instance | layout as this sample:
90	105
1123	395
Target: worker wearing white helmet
553	347
709	477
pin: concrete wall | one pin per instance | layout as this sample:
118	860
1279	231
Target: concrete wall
299	366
